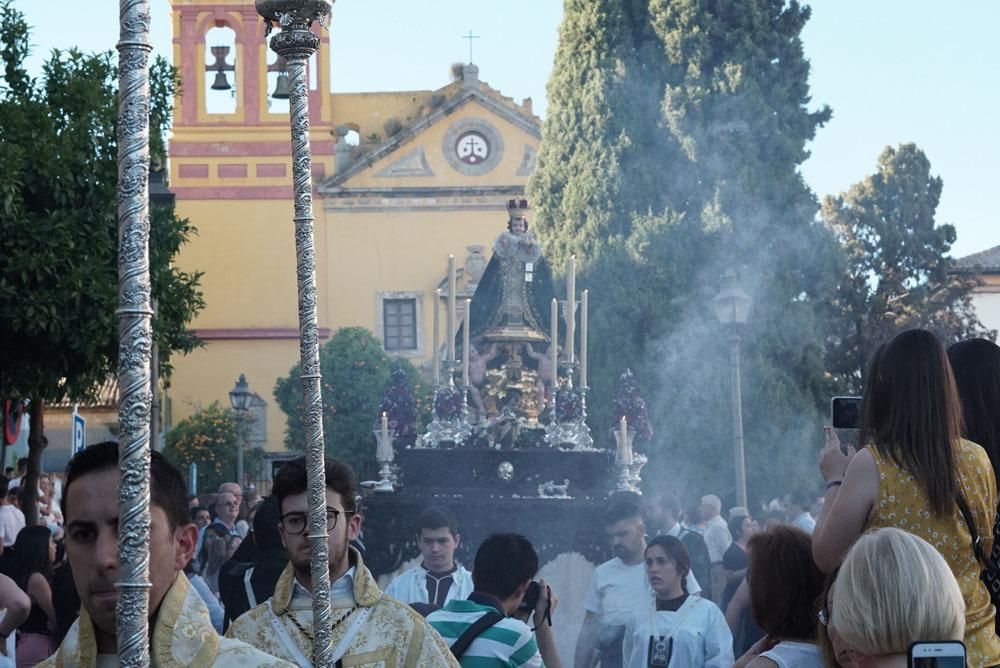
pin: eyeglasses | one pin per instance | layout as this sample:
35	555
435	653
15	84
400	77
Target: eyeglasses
295	523
231	504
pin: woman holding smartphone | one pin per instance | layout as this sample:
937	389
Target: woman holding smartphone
915	473
676	629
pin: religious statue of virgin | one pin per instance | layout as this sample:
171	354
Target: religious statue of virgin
510	311
512	299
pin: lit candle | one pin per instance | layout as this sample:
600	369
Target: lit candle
436	355
554	348
385	445
571	309
583	340
450	325
465	342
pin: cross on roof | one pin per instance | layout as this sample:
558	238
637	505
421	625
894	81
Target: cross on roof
470	37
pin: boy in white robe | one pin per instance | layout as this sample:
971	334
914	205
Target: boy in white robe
438	579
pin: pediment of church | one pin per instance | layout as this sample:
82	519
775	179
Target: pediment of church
475	138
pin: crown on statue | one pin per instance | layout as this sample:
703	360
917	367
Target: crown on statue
518	208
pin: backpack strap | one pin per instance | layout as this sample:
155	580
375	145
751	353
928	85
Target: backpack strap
977	541
460	646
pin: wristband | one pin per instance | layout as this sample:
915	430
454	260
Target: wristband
834	483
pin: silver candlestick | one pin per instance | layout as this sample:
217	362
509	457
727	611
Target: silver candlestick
626	460
385	455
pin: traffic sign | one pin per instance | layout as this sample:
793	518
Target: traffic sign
79	433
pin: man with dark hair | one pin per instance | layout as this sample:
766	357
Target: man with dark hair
180	623
488	629
615	587
22	470
438	578
11	518
367	627
663	513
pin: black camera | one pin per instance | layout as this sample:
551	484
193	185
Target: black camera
530	599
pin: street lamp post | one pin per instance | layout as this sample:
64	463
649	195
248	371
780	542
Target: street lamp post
732	307
296	43
240	397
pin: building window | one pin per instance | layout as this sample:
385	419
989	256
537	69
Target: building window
399	324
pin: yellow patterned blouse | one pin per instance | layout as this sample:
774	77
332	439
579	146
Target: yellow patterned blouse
902	503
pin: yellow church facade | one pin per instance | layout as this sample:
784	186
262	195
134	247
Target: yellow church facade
402	180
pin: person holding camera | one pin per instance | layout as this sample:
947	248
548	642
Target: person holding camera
915	472
489	627
675	629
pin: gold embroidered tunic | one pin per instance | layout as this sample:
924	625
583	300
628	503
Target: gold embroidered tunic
183	636
393	636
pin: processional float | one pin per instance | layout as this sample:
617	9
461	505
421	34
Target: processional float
509	428
295	43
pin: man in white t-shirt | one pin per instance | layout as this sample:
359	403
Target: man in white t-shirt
798	503
617	588
11	518
717	540
439	578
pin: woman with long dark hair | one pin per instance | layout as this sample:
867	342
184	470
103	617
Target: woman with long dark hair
34	552
915	473
976	364
675	629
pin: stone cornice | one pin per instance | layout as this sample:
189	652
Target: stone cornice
445	198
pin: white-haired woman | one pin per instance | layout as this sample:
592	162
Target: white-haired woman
893	589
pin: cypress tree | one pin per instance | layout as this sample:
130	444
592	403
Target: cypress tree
671	152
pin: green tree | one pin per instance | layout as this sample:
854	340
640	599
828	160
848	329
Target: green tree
705	178
58	226
355	371
898	272
597	164
208	439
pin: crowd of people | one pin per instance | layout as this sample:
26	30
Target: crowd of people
901	547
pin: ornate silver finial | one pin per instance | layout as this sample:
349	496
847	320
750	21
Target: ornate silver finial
295	12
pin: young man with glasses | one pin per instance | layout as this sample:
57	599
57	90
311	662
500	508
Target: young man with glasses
368	627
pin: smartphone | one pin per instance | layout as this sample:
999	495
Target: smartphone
950	654
845	412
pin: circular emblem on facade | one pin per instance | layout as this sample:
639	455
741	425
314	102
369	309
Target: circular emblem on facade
472	146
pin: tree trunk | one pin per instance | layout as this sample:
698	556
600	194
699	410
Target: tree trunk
36	443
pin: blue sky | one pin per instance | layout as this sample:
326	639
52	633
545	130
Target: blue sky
893	71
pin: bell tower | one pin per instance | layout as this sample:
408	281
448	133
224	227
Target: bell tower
229	75
230	125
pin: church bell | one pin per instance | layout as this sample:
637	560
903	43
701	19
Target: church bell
281	87
221	81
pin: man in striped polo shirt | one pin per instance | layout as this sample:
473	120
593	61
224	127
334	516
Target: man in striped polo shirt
501	574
